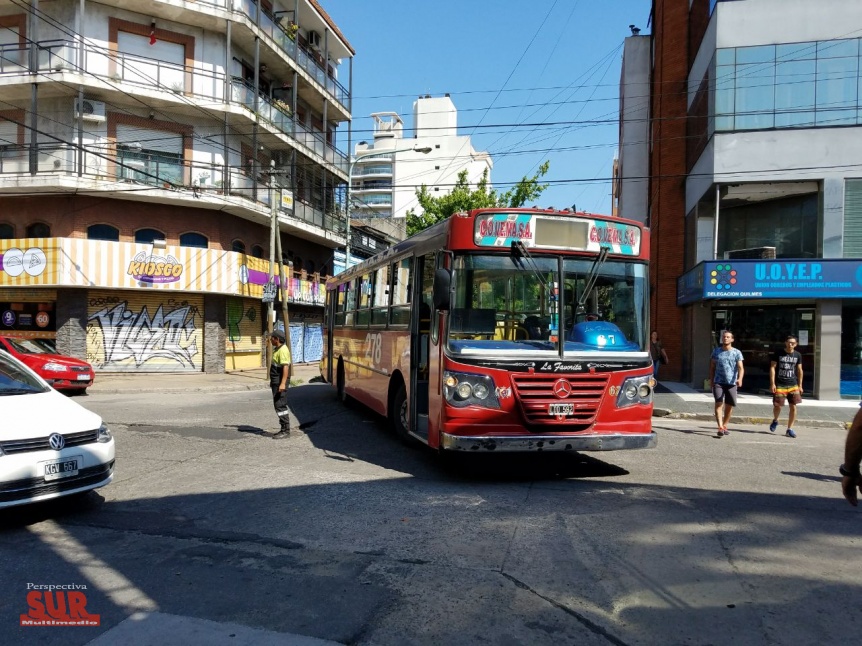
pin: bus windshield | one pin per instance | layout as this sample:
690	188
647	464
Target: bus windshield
512	304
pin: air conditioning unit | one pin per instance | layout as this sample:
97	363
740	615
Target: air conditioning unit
754	253
92	110
314	39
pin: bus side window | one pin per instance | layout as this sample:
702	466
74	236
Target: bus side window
350	307
400	313
380	313
339	305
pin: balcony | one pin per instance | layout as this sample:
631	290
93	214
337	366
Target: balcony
194	184
169	81
274	33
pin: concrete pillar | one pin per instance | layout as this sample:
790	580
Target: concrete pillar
701	342
827	357
71	318
215	324
832	213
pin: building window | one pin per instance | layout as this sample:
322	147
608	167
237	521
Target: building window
38	230
238	246
7	232
257	251
103	232
194	240
796	85
788	224
146	236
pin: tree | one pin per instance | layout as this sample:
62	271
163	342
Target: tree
461	198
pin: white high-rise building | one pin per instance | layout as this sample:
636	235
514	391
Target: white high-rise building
384	185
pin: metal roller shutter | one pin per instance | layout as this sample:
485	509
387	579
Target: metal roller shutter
243	325
145	332
152	140
853	218
24	295
8	132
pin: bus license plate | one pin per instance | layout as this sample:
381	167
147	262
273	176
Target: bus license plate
61	469
561	409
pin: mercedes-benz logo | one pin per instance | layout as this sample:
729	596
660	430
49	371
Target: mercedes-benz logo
562	388
56	441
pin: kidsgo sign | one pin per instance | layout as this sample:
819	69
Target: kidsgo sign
155	269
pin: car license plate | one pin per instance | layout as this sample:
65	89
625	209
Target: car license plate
561	409
83	377
57	469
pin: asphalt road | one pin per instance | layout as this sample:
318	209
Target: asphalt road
212	529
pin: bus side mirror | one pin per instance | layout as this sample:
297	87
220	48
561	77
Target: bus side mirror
442	285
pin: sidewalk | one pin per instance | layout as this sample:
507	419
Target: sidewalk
680	401
673	400
155	382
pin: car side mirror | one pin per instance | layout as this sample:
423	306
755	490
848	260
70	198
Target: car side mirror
442	286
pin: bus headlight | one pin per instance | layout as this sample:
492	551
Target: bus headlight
635	390
463	389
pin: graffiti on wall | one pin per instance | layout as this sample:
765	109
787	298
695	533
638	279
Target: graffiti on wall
236	312
119	334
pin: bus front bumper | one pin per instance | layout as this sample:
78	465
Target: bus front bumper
529	443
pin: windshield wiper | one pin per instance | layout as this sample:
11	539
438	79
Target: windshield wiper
523	260
18	391
592	277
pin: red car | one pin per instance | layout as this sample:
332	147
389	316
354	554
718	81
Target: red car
62	372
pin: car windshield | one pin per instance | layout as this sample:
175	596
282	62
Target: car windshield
519	304
15	379
26	346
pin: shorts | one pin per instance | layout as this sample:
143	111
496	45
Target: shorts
790	393
724	393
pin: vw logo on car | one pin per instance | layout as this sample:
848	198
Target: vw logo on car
56	441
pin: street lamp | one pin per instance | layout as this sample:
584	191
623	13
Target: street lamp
372	153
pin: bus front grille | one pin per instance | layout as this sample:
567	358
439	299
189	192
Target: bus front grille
537	392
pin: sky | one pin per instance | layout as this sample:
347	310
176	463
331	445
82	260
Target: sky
532	81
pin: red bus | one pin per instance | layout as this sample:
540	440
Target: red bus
501	330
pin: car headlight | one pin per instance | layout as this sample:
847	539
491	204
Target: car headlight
54	367
463	389
104	434
635	390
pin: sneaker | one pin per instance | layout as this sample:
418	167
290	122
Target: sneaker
773	426
281	435
790	433
726	432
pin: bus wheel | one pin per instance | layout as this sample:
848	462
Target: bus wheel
398	418
398	415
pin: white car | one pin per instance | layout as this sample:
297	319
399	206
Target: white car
50	446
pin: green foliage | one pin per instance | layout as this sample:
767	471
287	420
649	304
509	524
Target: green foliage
462	198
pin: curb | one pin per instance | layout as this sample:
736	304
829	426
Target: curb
225	388
742	419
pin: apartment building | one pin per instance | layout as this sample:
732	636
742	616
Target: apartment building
146	148
755	197
387	171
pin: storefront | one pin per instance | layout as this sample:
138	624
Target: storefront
763	301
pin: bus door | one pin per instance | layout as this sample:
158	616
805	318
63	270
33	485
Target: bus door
421	344
328	327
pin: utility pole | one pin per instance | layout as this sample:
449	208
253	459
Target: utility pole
275	250
270	308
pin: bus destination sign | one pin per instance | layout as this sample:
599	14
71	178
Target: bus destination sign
549	232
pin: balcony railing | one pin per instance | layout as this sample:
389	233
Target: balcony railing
285	41
58	55
198	179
